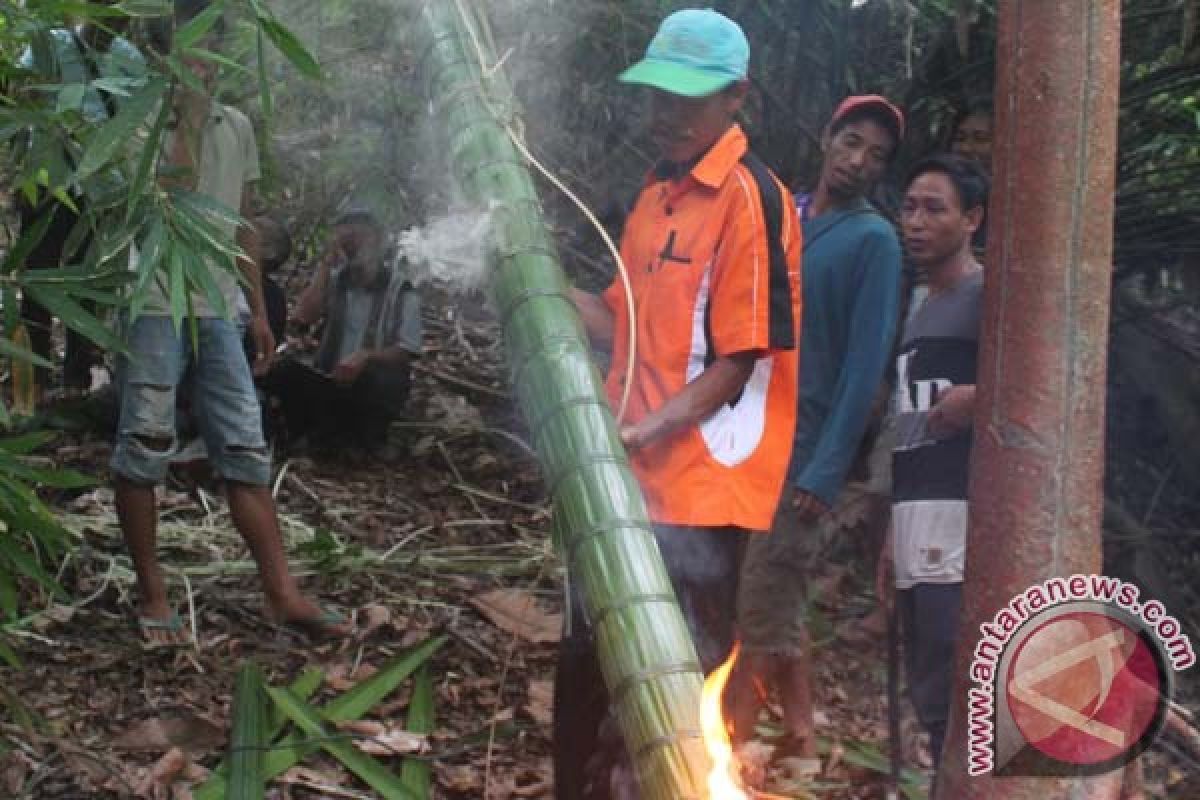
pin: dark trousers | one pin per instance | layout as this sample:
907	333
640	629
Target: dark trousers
311	404
590	760
80	354
929	619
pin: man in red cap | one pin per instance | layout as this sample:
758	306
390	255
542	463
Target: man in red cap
851	284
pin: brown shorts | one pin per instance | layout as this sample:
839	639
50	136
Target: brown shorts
771	592
773	589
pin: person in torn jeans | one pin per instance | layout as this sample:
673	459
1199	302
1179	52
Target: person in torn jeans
358	380
210	150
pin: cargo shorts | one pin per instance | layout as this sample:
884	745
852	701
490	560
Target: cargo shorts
221	389
773	590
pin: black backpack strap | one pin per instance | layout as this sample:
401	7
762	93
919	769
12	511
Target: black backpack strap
781	323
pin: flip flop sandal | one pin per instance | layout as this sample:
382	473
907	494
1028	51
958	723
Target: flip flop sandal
800	768
321	627
172	624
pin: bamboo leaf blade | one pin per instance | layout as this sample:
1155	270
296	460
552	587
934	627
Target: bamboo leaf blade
373	773
73	315
247	742
416	773
351	705
118	131
303	687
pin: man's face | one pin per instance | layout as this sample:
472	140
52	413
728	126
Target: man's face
204	69
357	241
973	139
856	157
685	127
932	219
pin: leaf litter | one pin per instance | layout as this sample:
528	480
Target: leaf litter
448	535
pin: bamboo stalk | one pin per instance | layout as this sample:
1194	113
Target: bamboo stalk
646	653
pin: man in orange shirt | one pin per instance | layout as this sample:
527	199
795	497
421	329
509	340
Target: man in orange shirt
712	247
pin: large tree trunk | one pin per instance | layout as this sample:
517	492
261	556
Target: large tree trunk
646	653
1037	469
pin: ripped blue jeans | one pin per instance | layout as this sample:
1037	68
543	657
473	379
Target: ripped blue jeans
223	400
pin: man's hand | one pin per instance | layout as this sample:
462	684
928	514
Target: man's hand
639	435
808	506
348	371
264	344
953	412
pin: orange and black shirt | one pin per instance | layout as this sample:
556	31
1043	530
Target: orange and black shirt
705	286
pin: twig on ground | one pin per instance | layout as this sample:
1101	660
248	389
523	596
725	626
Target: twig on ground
283	471
461	382
495	498
473	645
462	339
458	475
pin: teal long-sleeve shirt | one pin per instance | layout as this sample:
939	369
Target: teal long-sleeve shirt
851	267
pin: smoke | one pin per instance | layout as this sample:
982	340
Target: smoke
449	249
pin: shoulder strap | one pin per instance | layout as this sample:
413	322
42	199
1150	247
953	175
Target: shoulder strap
780	321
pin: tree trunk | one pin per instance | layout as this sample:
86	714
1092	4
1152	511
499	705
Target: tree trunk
1037	468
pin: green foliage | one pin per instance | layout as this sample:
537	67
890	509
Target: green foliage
416	773
248	739
83	118
350	705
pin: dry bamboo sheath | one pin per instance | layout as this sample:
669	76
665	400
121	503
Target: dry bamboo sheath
646	653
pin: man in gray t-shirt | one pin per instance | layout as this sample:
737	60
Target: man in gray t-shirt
934	409
359	378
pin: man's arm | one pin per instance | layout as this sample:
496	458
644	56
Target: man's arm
596	315
248	264
311	305
718	384
872	328
954	412
404	343
393	356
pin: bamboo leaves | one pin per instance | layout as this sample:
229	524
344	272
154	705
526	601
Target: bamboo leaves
415	772
118	131
315	726
248	740
371	771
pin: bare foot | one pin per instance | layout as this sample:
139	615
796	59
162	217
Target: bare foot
797	757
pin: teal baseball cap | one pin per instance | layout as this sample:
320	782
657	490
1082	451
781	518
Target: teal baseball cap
695	53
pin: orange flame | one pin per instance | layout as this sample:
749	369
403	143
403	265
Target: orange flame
721	782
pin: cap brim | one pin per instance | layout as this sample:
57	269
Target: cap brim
676	79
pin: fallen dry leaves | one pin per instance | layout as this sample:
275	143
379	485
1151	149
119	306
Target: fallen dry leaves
380	739
518	612
540	701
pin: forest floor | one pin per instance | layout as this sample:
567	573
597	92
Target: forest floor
448	533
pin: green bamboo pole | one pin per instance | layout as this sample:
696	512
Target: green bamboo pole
645	650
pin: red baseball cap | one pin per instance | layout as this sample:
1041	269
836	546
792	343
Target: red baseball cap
861	101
